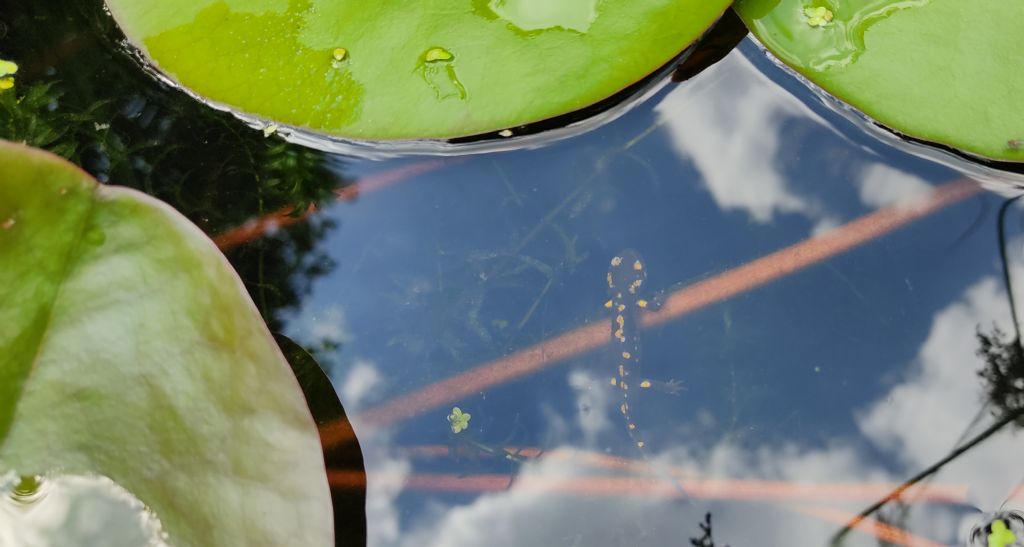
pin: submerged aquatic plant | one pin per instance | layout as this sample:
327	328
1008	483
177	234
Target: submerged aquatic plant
706	539
1003	372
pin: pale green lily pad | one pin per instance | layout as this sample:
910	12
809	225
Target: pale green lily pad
945	71
129	349
411	70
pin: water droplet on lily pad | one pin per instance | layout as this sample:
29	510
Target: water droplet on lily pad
26	490
436	54
438	71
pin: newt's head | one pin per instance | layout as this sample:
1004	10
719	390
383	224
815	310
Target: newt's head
627	273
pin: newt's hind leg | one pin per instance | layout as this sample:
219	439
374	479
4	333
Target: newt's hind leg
671	387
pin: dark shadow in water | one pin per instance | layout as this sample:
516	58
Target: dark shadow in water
719	42
346	458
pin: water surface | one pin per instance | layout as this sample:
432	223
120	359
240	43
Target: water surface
824	294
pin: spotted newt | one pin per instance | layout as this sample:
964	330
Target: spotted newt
626	276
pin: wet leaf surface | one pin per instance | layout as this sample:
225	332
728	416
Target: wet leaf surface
443	69
938	70
129	349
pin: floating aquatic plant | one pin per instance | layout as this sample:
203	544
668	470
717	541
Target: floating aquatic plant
459	420
943	71
506	61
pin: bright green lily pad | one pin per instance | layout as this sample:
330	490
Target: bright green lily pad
129	349
411	69
945	71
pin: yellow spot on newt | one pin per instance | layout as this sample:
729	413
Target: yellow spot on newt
622	371
614	382
632	426
620	320
624	386
638	266
642	303
645	384
610	282
623	408
622	308
640	444
627	355
616	261
340	54
608	304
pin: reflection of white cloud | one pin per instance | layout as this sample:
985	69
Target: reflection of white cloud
826	225
922	418
382	513
1015	258
362	381
530	516
593	403
917	421
315	326
729	123
328	324
69	511
386	472
883	186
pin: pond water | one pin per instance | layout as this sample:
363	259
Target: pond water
834	314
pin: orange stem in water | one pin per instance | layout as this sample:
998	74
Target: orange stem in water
716	289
